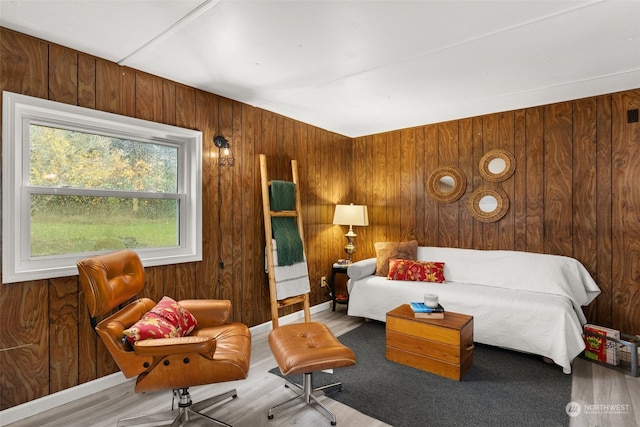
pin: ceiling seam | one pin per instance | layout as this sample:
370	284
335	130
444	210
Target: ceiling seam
193	14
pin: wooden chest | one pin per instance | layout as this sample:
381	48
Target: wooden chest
440	346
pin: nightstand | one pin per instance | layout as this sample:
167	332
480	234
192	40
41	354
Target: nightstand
337	268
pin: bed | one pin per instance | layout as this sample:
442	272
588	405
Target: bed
519	300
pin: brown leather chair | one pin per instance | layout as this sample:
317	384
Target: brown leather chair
215	351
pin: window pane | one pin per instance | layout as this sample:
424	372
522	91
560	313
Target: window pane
60	157
72	224
78	180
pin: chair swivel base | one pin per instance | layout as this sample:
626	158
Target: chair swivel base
186	409
308	397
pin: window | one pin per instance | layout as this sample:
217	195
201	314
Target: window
77	182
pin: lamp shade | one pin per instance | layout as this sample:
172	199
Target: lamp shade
351	215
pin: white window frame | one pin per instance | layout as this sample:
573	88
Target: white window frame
21	110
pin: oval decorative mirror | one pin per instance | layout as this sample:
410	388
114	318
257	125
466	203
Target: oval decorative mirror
446	184
488	204
497	165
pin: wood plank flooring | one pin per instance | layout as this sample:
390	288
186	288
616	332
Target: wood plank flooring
606	397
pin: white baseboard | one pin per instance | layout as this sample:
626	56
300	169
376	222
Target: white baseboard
60	398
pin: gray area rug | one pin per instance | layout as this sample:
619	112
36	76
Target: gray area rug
503	388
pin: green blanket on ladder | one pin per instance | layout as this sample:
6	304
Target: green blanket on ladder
285	230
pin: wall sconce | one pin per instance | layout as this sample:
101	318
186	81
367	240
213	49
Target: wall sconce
224	157
351	215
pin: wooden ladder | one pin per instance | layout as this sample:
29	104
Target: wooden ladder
268	234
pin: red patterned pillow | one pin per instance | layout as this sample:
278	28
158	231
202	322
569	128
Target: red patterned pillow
167	319
151	325
417	271
386	251
176	314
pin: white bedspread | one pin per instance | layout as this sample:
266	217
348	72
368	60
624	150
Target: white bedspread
522	301
551	274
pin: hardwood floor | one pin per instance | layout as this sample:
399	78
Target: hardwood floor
606	397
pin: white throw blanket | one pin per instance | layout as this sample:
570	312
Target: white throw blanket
291	280
524	271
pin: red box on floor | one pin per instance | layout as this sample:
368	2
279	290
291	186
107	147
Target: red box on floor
598	347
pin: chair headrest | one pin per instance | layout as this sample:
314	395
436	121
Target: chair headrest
110	279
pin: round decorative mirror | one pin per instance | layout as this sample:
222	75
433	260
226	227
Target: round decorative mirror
497	165
488	204
446	184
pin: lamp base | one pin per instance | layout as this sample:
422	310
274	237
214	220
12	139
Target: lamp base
350	247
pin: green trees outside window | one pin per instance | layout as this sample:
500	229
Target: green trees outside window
65	224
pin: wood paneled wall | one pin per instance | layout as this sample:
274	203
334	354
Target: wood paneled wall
574	193
575	190
46	341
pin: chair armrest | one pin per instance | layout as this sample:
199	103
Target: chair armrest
208	312
168	346
362	268
110	332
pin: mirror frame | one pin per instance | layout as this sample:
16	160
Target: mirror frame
495	215
498	153
460	184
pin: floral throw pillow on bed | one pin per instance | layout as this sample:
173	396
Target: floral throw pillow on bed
417	271
393	250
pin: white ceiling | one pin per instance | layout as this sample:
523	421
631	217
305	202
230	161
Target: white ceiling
359	67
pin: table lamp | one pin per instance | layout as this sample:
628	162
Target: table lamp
351	215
